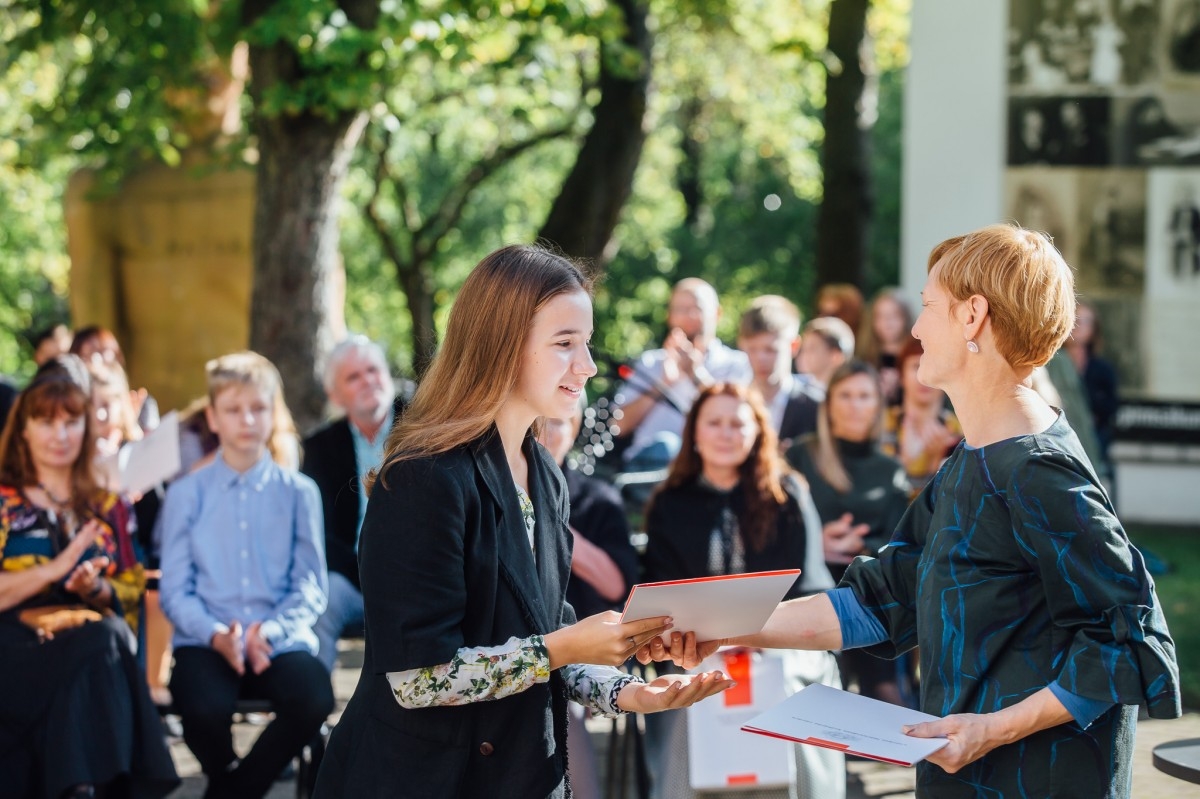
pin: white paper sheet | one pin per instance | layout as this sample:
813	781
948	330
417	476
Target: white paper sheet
857	725
141	465
714	607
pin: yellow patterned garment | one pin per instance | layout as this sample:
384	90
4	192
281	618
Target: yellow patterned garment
30	536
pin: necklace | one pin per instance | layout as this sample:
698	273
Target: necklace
60	503
61	507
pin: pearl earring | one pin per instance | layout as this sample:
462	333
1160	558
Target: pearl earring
972	346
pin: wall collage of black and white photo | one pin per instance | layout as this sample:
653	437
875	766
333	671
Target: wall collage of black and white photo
1103	145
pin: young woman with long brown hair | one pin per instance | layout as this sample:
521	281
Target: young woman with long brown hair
730	504
471	648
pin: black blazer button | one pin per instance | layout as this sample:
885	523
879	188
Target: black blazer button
486	749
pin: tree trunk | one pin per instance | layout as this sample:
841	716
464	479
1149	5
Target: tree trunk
844	220
588	206
300	171
417	283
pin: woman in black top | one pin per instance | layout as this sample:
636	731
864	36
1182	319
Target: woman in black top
731	505
860	494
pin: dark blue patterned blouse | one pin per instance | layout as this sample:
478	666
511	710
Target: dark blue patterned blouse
1012	570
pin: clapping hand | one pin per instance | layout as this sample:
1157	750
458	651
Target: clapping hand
87	579
682	357
843	539
65	562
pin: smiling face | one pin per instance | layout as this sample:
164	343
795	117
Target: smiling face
557	361
54	441
854	405
726	431
940	334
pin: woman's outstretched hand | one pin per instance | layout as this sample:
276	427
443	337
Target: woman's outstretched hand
602	639
681	648
671	692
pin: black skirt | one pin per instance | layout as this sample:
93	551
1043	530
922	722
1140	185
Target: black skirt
76	709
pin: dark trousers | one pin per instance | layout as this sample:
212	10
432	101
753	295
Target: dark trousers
205	691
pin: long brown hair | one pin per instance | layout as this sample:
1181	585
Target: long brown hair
825	452
53	391
479	362
761	474
868	347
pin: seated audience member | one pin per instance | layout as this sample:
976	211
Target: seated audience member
841	301
198	443
769	334
860	494
77	718
731	505
604	565
922	431
885	332
115	422
826	343
338	456
244	580
1098	374
665	382
97	344
50	342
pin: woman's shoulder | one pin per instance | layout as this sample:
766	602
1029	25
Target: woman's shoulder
1056	449
449	467
800	453
103	501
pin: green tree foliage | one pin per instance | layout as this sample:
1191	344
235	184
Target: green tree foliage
475	115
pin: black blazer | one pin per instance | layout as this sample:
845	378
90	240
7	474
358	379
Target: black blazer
446	563
329	461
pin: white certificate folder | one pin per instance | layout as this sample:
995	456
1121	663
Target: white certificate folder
713	607
854	724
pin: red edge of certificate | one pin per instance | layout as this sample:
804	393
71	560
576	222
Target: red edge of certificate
714	579
827	745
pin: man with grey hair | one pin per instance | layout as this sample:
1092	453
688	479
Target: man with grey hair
338	455
659	391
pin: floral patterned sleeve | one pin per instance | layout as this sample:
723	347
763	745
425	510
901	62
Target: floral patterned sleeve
483	673
474	674
597	686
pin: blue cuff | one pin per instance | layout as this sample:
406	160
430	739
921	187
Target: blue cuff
859	628
1083	709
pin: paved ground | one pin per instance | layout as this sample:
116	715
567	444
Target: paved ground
865	780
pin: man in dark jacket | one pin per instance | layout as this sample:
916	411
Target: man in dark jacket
338	456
